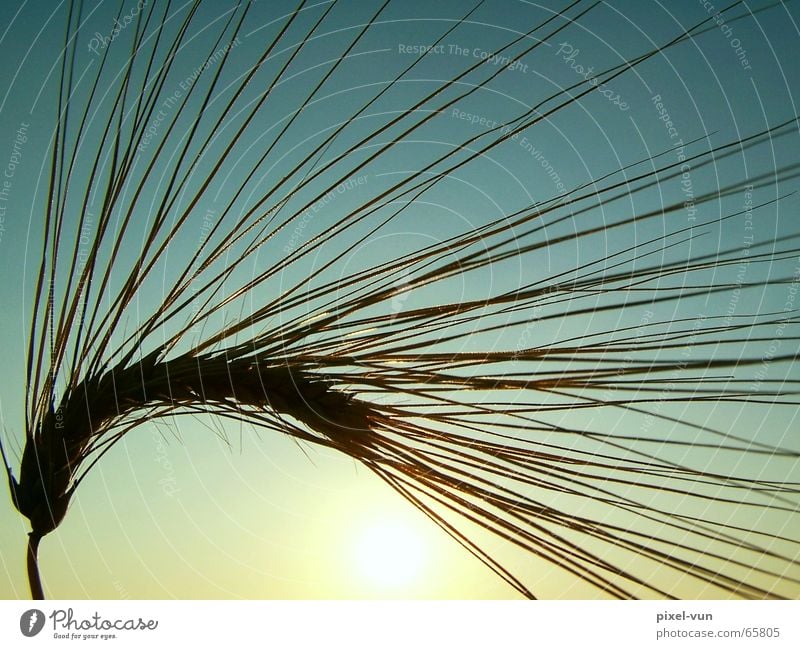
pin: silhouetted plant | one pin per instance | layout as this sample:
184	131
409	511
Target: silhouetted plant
281	314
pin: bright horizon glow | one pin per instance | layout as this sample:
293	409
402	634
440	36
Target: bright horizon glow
389	553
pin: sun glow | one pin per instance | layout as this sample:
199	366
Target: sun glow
390	553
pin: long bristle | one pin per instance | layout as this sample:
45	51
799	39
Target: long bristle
455	401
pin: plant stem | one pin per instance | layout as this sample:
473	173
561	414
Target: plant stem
33	566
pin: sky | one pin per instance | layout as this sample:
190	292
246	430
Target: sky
191	508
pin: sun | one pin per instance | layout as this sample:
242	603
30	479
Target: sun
389	553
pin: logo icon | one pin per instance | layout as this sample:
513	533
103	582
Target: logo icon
31	622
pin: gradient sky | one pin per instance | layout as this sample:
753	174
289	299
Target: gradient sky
173	511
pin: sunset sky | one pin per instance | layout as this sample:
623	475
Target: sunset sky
192	508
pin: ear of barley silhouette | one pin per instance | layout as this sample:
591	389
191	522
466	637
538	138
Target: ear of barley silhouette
448	362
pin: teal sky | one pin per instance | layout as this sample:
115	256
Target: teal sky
174	511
